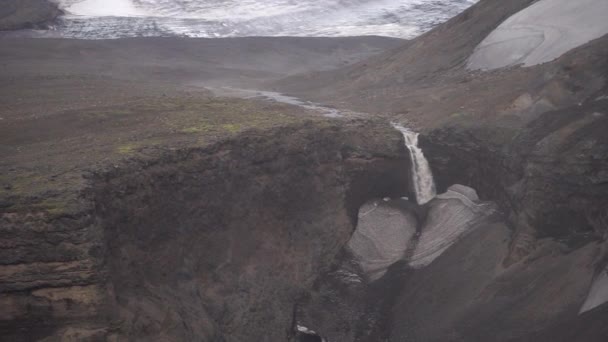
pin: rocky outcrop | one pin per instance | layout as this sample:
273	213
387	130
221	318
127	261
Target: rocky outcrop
451	216
211	244
550	177
27	14
393	230
394	239
534	141
465	294
384	231
468	295
523	283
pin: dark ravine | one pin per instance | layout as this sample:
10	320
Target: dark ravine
211	244
185	234
531	139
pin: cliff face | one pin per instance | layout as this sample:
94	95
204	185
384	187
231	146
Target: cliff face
529	138
533	140
237	240
550	177
207	244
529	282
27	14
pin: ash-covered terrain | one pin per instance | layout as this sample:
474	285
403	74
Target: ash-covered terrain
449	187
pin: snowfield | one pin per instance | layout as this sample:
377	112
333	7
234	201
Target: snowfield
541	33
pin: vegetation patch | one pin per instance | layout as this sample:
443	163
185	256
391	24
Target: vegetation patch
127	148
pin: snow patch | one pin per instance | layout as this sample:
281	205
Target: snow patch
541	33
103	8
598	294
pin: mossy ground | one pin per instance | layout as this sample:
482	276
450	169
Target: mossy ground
45	160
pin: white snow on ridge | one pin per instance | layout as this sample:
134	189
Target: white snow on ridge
124	8
541	33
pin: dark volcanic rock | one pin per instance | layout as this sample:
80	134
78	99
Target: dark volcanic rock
588	327
468	295
533	140
27	14
550	177
207	244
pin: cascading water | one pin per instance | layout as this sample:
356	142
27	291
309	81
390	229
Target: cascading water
422	177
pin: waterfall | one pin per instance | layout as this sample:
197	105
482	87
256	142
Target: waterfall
422	177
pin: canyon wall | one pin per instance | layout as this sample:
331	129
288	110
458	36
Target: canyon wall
550	178
211	244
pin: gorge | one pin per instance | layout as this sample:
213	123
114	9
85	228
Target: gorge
333	189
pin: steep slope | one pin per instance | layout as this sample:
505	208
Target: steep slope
172	216
447	46
425	83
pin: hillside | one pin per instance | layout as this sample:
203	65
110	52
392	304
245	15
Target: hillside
439	202
27	14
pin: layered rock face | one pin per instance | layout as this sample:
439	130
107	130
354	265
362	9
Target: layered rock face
389	231
451	216
468	295
243	240
531	139
550	178
203	244
394	239
384	232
